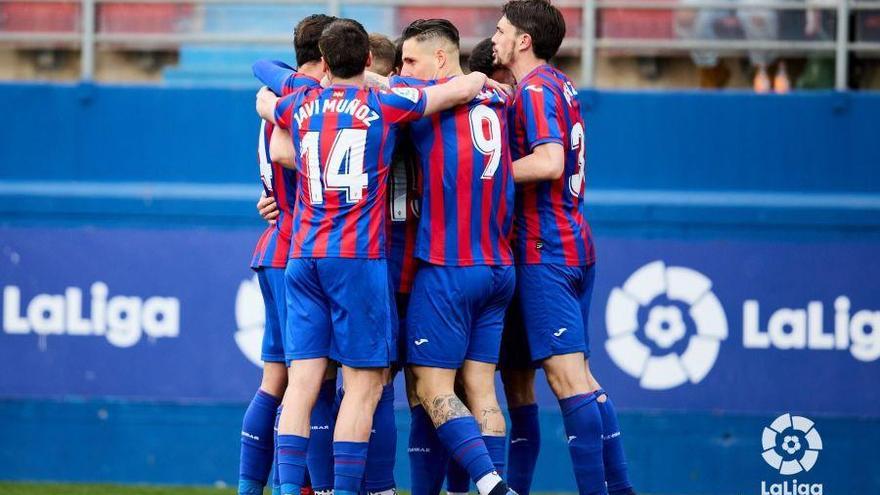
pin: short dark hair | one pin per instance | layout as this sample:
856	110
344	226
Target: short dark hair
482	59
383	54
345	46
306	35
541	21
398	55
425	29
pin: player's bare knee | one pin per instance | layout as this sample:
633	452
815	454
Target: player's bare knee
306	377
274	380
566	375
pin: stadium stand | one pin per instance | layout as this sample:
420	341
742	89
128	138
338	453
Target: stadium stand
40	17
229	65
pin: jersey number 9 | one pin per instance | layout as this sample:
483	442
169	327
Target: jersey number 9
483	119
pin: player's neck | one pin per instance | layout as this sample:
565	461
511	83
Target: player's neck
524	64
450	72
357	80
314	70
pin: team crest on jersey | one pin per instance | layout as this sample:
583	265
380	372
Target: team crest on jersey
411	94
488	95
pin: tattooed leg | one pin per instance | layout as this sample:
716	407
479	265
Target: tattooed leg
435	388
478	382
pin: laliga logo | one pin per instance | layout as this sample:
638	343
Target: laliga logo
250	316
791	445
665	326
122	320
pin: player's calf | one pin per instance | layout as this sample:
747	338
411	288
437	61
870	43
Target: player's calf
381	454
525	433
567	377
478	381
456	427
294	427
613	457
363	389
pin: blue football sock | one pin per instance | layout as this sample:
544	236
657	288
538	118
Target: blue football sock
583	426
276	481
497	447
320	453
427	456
462	439
379	475
257	443
612	448
292	463
350	462
457	479
525	443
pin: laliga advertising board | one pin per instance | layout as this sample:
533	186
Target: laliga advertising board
738	326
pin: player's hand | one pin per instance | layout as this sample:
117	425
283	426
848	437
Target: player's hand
502	88
268	209
475	82
266	101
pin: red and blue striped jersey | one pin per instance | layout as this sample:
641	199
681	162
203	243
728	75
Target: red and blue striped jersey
273	247
549	224
343	137
467	181
403	215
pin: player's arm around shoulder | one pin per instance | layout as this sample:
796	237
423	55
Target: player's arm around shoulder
456	91
266	102
281	148
546	162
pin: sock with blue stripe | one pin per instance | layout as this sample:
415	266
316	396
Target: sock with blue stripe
292	463
462	439
276	482
612	449
427	456
350	462
379	475
257	443
457	479
583	427
525	443
497	447
320	454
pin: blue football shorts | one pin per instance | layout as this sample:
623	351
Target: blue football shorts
271	282
549	314
457	313
342	309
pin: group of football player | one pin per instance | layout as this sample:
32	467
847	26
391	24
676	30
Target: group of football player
428	221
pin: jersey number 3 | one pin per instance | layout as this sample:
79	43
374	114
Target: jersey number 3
576	181
343	167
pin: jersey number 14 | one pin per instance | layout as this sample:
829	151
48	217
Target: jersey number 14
343	168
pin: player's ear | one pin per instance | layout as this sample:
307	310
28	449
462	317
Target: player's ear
369	59
325	67
524	41
441	57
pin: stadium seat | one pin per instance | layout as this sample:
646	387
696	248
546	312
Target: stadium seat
230	65
144	18
641	24
40	17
